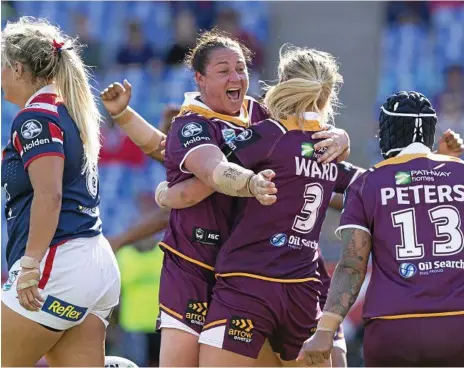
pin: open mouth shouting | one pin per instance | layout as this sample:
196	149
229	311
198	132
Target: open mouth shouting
233	93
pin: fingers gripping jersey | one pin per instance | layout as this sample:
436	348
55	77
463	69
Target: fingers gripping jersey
44	128
282	243
412	206
198	232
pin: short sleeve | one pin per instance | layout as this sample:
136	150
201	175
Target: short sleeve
253	145
187	135
354	214
347	173
35	137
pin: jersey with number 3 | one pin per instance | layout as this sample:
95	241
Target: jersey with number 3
44	128
413	207
281	241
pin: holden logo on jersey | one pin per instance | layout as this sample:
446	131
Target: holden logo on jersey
191	130
278	240
407	270
31	129
244	136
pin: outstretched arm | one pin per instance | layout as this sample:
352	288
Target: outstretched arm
344	289
182	195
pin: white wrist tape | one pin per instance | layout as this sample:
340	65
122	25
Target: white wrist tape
329	322
160	189
120	114
232	179
29	262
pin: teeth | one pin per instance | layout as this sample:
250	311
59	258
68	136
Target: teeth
233	89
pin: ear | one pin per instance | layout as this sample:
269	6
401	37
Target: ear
18	70
200	79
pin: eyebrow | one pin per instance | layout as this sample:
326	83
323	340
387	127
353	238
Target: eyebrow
226	63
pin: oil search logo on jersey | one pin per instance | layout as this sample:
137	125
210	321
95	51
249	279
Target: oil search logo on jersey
63	310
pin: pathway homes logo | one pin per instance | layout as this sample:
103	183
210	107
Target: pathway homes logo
417	176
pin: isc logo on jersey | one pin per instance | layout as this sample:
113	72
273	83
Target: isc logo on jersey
191	134
62	309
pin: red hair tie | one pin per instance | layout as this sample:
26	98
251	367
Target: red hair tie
57	46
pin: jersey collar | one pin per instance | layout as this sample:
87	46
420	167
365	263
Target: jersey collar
415	148
312	122
49	89
193	104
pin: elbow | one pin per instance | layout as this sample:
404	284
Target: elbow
188	198
52	198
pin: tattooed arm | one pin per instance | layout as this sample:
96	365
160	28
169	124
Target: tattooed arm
344	289
350	271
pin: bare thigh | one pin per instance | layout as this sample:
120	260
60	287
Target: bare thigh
24	342
211	356
294	363
267	357
80	346
178	348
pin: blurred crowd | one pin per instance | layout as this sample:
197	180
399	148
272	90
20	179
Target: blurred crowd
422	48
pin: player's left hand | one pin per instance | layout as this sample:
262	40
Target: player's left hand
262	187
451	144
317	349
336	141
160	190
29	296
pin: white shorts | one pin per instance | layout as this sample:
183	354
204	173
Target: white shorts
78	277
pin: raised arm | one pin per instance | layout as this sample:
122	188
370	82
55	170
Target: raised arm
344	289
182	195
116	101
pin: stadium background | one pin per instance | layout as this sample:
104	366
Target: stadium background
382	47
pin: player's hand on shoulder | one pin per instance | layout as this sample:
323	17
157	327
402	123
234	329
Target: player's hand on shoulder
451	144
262	187
317	349
160	190
116	97
337	144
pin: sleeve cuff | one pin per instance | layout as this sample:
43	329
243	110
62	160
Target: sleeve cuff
338	232
32	159
181	165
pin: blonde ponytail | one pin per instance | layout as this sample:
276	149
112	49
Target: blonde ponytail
72	82
34	43
308	81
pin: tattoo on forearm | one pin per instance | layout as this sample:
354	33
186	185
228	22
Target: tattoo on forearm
232	173
350	271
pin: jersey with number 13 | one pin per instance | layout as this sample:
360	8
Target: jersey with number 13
44	128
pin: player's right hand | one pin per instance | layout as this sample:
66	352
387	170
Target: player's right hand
317	349
116	97
160	189
262	187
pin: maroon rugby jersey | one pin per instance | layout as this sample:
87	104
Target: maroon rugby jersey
198	232
412	205
280	241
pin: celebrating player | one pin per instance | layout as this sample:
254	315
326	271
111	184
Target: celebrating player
243	314
63	277
406	211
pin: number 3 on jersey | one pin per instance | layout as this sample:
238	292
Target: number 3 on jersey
313	195
447	221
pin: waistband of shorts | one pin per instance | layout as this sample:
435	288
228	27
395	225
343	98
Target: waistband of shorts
187	258
265	278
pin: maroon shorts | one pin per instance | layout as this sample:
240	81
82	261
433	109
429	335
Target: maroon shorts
245	311
414	342
184	295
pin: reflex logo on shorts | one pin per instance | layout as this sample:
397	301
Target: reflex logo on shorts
11	279
278	240
240	329
407	270
196	312
62	309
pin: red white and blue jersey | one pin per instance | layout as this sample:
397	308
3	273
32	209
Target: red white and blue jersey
45	128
